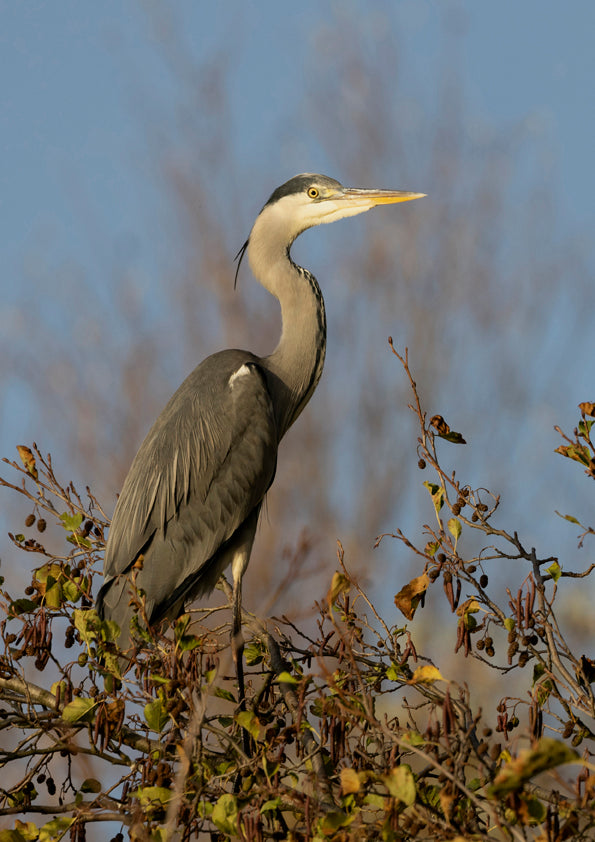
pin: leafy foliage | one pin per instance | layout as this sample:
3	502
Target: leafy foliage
352	732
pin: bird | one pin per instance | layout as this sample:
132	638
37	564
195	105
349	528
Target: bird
190	504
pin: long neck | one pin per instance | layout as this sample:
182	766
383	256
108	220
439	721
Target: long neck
295	366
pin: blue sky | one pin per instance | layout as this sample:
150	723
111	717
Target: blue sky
82	83
69	70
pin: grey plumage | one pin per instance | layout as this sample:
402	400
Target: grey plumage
191	500
194	489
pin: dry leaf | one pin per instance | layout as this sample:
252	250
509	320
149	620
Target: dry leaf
408	597
28	459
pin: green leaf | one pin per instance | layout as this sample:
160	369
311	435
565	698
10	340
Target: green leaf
538	672
437	494
48	573
151	794
401	784
555	571
91	627
544	691
455	438
509	624
253	653
79	541
53	596
432	548
22	606
286	678
225	814
537	810
55	829
334	820
71	522
394	673
414	738
156	716
153	797
339	584
90	785
13	836
188	642
222	693
181	626
78	710
247	720
28	830
375	801
272	804
455	529
72	591
86	622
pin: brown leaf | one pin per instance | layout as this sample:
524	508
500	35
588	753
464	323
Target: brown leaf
409	596
28	459
444	431
588	668
587	408
440	425
574	451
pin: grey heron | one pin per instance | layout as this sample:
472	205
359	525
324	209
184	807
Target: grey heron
190	504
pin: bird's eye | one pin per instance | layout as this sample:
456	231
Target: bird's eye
313	192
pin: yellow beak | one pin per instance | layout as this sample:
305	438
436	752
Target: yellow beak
370	198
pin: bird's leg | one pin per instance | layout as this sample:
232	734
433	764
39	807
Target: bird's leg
239	565
237	639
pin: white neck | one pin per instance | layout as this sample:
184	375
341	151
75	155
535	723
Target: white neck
296	363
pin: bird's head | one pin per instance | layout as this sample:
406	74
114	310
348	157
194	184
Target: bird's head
307	200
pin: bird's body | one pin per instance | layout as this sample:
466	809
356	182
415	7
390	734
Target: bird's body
188	530
190	503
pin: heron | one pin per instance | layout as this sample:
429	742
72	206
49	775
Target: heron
190	504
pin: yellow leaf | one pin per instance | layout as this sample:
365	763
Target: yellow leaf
350	781
547	754
426	675
447	800
401	784
470	606
28	830
340	584
437	494
248	720
78	709
455	528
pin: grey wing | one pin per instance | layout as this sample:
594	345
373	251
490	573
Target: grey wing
200	474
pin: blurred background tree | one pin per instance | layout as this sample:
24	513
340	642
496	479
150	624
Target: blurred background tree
483	281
